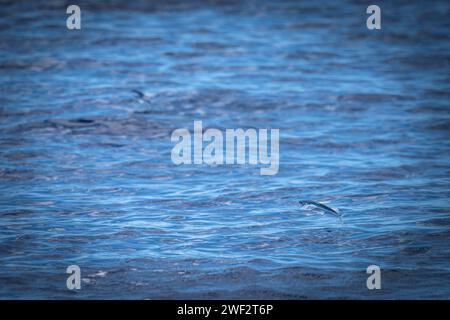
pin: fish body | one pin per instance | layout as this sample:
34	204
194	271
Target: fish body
320	206
139	93
143	96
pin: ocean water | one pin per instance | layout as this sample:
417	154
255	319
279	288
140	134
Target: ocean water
86	176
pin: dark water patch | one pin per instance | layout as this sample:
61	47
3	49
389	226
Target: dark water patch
141	41
310	55
436	222
211	46
439	125
416	250
17	213
372	97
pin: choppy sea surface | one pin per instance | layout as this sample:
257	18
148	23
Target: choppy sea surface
86	176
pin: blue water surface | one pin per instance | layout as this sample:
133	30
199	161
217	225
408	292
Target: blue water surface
86	176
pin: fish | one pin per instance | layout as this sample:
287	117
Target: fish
139	93
321	206
143	96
